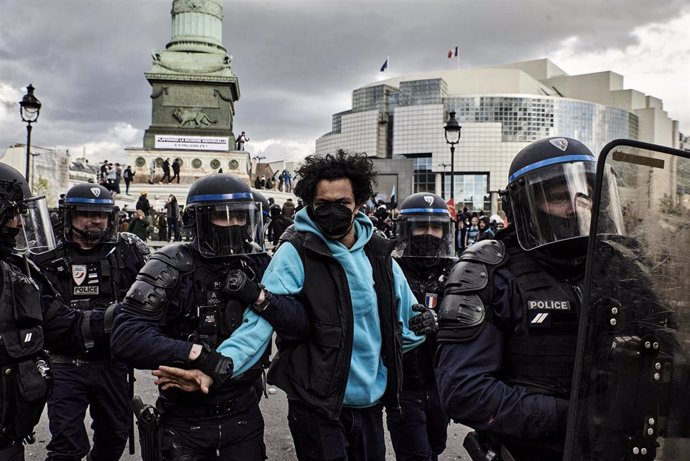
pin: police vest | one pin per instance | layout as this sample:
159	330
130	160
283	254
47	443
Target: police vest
427	286
23	387
540	354
87	280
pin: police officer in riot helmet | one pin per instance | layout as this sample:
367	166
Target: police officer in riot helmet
508	321
31	316
425	252
21	357
180	310
92	268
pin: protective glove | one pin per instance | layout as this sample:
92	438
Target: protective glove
215	365
424	323
240	286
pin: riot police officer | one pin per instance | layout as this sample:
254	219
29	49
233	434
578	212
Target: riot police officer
180	310
425	253
92	268
23	388
508	321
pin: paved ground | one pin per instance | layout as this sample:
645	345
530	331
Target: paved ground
277	435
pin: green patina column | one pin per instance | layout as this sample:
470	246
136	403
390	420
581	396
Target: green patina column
193	86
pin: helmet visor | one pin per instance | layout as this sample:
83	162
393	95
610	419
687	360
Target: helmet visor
553	204
38	229
228	229
425	235
91	223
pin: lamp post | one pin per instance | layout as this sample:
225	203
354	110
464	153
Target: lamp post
29	109
452	130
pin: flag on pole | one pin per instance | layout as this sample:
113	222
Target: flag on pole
385	65
451	208
453	52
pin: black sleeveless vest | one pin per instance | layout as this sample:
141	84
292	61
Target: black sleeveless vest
541	351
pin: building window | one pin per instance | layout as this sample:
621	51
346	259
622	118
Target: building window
424	177
471	191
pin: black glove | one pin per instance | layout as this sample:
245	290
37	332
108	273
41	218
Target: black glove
424	323
241	287
215	365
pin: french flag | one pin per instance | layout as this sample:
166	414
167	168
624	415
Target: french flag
453	52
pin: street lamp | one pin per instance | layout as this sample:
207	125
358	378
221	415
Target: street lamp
29	109
452	130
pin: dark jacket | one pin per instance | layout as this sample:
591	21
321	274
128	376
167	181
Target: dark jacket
316	371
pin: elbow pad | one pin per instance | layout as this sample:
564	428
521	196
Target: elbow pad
158	280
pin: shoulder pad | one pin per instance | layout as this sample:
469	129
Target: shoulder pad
491	252
177	255
467	292
133	240
159	273
467	276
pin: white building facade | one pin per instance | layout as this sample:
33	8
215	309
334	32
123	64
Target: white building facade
501	109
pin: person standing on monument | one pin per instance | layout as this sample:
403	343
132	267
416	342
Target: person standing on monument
241	139
166	170
176	170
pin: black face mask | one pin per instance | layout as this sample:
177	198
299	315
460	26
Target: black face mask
424	245
8	240
228	240
334	219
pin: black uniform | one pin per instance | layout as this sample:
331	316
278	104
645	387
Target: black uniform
177	300
422	424
91	281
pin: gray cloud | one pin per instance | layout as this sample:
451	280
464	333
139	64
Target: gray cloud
297	61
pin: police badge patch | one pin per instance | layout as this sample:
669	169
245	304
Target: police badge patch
79	273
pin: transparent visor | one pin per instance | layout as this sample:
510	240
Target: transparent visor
90	223
228	229
554	204
425	236
38	235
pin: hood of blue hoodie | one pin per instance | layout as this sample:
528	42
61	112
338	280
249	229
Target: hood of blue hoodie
366	381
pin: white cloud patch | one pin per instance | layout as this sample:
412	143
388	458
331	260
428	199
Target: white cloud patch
109	145
657	62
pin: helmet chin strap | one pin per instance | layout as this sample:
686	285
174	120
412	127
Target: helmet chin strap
89	236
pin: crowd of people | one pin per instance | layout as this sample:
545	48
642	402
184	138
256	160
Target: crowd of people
374	308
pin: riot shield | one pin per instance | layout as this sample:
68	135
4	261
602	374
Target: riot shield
631	386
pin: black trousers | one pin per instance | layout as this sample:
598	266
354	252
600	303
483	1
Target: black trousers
356	436
101	387
421	430
234	436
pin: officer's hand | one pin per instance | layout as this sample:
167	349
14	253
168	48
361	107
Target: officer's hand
213	364
185	380
425	322
241	287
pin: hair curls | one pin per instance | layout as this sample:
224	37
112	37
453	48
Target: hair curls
356	167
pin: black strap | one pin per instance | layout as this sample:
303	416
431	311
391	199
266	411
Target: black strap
86	333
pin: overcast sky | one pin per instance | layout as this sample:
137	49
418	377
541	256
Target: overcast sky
299	60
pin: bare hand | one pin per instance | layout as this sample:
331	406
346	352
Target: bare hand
185	380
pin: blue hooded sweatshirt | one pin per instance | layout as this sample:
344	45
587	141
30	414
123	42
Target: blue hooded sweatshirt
285	276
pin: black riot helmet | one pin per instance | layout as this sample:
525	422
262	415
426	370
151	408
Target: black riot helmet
425	227
549	194
224	218
16	200
90	214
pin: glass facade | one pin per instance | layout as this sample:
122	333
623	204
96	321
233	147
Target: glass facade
405	116
471	191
